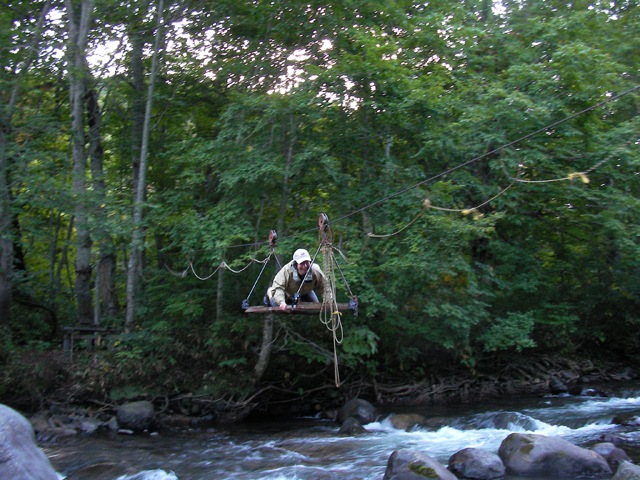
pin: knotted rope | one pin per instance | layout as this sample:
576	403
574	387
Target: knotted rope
330	315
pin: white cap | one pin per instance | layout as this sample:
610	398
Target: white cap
301	255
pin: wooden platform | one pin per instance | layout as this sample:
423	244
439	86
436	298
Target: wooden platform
92	335
303	308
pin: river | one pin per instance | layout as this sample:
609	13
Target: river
310	448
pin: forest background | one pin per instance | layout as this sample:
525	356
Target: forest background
478	163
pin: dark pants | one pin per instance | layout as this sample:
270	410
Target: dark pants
309	297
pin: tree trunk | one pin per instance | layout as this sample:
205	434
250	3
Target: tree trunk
219	294
79	23
6	242
55	221
64	260
265	348
136	71
287	174
136	247
137	103
105	297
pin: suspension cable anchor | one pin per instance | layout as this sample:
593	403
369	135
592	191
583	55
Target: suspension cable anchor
323	223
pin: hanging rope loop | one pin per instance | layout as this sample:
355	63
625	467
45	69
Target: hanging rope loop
329	313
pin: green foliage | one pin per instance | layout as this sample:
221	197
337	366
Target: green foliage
480	203
127	393
6	345
358	345
29	376
510	332
556	326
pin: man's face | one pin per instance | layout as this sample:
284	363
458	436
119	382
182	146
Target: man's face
303	268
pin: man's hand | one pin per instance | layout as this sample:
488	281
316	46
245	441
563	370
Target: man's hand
283	306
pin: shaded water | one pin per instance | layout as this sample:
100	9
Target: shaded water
308	448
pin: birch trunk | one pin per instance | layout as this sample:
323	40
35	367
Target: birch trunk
137	237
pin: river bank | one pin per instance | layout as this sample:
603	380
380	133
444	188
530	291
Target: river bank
59	414
524	376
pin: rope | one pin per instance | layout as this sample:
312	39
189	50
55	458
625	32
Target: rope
427	204
222	264
330	316
584	175
374	235
253	260
208	277
264	264
341	273
177	274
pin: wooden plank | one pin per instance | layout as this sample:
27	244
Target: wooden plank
303	308
93	335
88	329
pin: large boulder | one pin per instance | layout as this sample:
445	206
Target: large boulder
359	409
476	464
406	421
530	455
408	464
611	453
557	386
627	471
351	426
509	420
137	416
20	457
626	420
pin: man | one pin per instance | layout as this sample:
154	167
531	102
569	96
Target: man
297	276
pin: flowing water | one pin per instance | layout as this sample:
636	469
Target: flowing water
309	448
